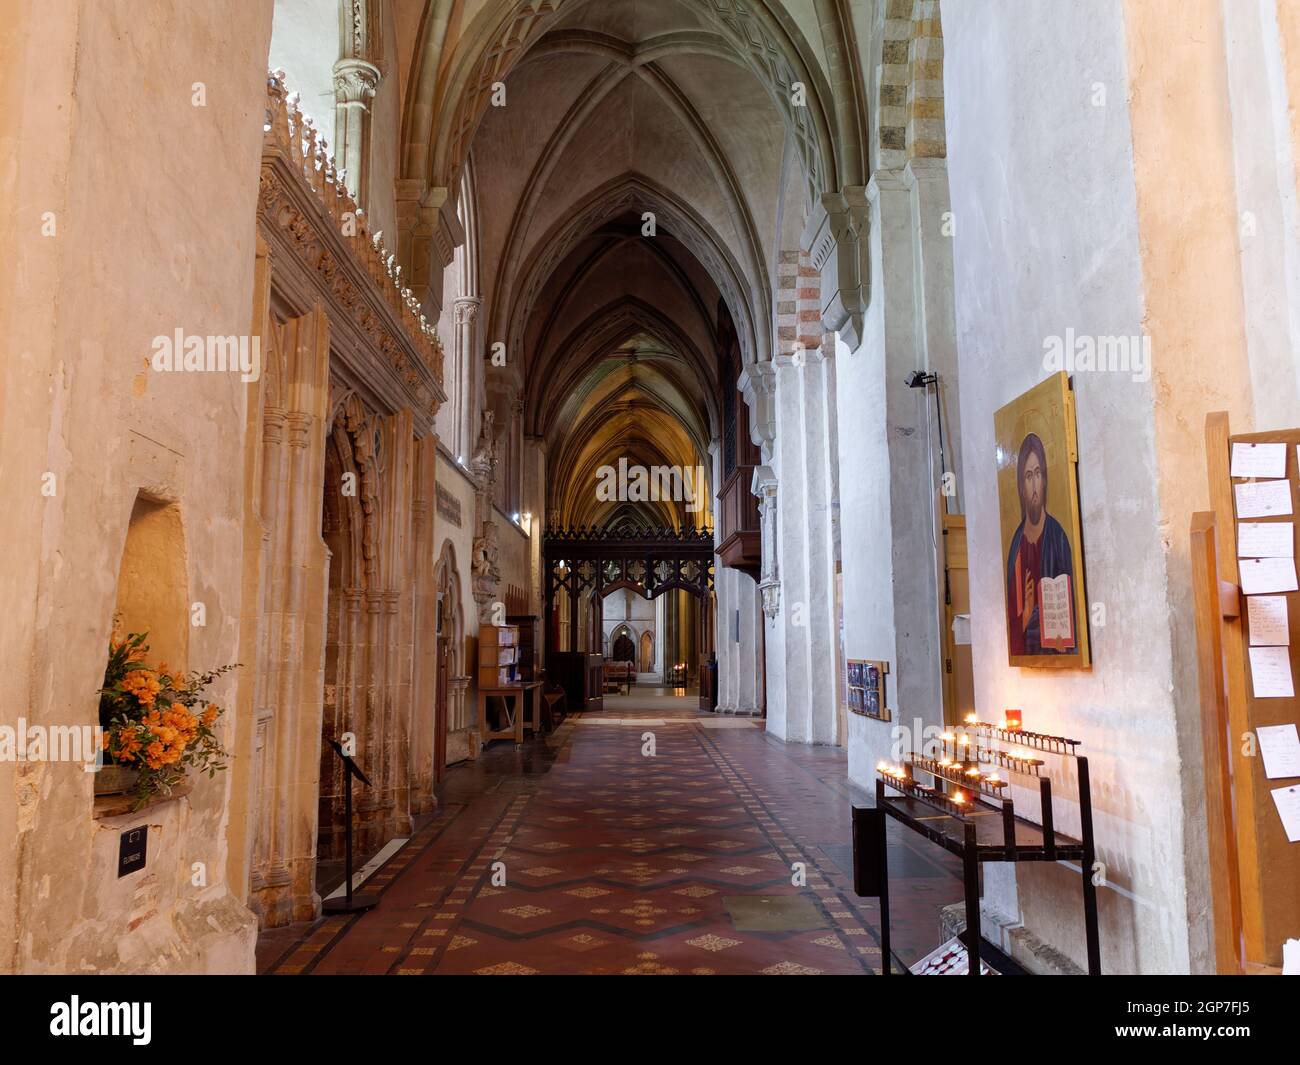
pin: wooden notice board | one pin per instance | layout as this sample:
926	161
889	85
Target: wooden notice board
1267	874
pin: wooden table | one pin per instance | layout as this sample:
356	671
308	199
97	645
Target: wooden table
513	698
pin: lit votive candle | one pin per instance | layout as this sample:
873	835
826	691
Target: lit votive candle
1014	720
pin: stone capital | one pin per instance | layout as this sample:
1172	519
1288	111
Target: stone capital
355	81
757	382
924	169
841	251
428	231
466	309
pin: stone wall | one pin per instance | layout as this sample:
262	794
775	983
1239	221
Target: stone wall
130	257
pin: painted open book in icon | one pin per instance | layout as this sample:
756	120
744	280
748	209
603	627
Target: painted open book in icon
1056	613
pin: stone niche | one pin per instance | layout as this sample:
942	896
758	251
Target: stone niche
151	582
175	914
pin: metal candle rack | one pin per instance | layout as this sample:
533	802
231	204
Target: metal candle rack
974	818
963	774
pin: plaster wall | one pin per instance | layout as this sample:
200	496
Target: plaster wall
638	614
453	480
1089	170
305	45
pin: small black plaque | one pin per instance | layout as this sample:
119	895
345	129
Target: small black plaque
131	850
868	849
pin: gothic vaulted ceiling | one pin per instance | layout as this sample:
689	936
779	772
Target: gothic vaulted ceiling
637	164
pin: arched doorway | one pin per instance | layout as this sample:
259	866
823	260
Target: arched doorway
623	649
647	660
342	529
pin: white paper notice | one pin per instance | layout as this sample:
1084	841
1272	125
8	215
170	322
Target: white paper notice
1259	460
1263	499
1291	957
1280	746
1288	808
1261	576
1268	621
1265	539
1270	671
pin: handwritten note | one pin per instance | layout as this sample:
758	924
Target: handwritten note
1259	460
1268	621
1263	499
1287	801
1261	576
1280	747
1265	539
1270	672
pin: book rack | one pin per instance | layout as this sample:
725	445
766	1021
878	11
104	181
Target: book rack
498	655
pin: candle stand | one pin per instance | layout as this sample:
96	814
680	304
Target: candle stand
967	809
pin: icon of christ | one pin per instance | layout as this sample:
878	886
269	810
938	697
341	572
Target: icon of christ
1040	572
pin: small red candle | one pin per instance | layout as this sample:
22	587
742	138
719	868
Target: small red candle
1013	720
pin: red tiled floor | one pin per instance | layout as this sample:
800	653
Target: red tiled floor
617	862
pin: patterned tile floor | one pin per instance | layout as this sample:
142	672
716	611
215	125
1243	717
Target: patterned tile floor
583	854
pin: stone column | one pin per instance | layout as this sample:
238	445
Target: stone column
926	181
817	402
801	668
424	679
785	597
891	552
534	507
355	82
466	310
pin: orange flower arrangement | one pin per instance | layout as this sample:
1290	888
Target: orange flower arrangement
151	719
